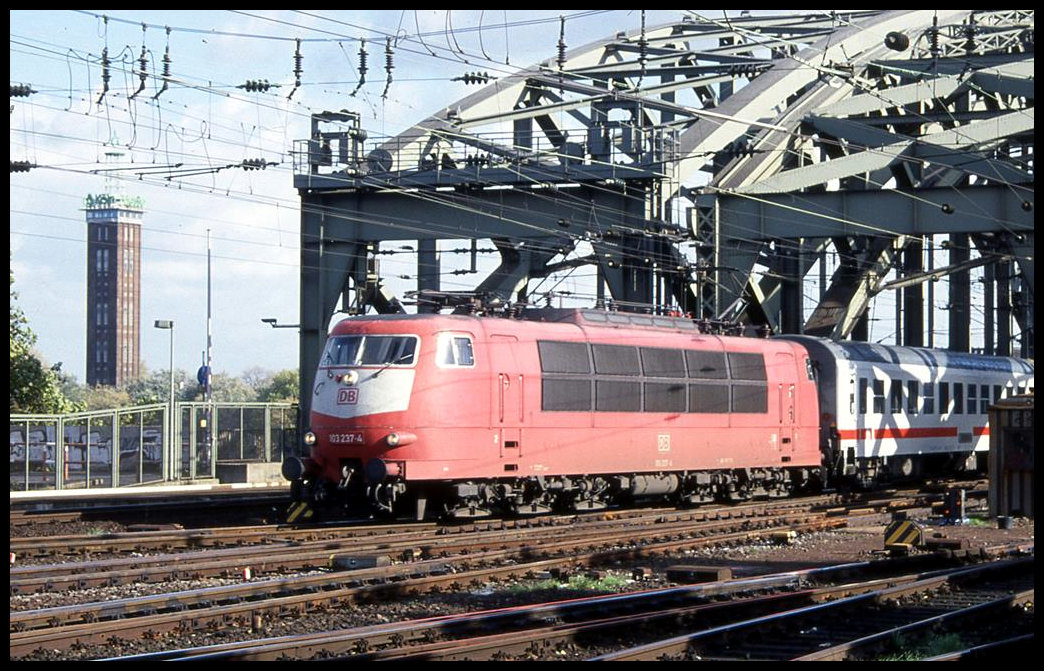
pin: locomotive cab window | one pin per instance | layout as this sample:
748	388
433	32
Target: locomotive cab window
370	350
455	350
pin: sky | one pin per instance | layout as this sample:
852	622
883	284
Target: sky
203	121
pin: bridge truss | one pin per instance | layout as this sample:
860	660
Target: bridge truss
708	166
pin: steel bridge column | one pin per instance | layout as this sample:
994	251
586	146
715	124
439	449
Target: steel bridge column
428	267
1004	308
913	296
792	304
326	265
960	295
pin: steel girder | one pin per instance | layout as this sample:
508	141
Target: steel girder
918	146
594	155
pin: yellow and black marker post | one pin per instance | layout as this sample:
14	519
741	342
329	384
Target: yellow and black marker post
299	511
902	535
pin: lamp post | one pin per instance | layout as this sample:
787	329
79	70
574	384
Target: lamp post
274	323
168	324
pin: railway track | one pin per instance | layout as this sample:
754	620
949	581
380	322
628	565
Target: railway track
863	625
572	628
402	560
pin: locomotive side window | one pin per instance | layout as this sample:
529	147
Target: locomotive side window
616	360
618	396
708	398
657	362
564	357
929	398
707	365
745	366
455	350
749	398
958	398
879	397
569	395
664	397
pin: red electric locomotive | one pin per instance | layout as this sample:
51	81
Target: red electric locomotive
469	416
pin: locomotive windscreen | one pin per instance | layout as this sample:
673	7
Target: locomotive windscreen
357	350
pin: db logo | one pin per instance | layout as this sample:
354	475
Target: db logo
347	396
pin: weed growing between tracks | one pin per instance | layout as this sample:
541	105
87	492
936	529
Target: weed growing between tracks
908	650
576	583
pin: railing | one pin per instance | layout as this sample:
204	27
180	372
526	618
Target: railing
130	446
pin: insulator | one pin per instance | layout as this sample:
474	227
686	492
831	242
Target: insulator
256	85
255	164
143	71
143	61
21	166
166	67
21	90
362	66
473	78
561	45
105	73
298	58
389	65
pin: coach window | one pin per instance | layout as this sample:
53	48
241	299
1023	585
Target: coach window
863	390
973	399
944	398
958	398
879	397
984	399
896	405
929	398
911	397
455	350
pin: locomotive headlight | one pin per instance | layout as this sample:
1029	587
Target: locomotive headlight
399	438
350	378
309	438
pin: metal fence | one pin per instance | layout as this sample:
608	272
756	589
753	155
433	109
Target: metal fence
133	446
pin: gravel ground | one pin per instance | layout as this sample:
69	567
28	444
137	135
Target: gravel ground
862	540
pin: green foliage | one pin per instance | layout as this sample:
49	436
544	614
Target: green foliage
35	388
576	583
282	387
909	651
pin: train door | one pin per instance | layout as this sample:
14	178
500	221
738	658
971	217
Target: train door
507	406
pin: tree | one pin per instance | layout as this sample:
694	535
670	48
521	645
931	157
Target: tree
35	388
282	387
